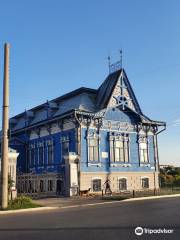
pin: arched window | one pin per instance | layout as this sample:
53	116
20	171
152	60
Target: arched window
145	182
122	184
96	185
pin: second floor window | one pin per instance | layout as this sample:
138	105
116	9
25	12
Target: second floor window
119	148
41	155
50	152
32	156
143	149
93	153
64	149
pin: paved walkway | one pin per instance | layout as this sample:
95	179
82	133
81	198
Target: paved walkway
67	201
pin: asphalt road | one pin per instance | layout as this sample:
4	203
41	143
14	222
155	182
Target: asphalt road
110	221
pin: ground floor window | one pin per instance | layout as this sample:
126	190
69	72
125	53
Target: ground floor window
50	185
96	185
41	186
145	182
122	184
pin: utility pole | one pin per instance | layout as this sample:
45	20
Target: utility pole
5	127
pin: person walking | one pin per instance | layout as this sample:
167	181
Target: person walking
107	186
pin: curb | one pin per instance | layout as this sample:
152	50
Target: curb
27	210
87	204
151	197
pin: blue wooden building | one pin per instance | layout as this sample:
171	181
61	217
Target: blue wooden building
77	141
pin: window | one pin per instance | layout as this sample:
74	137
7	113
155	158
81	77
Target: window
145	182
50	185
32	157
96	185
119	148
122	184
93	149
50	152
41	154
143	150
65	149
41	186
119	151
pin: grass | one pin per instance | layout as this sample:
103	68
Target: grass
21	202
115	198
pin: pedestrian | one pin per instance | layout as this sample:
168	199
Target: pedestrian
107	186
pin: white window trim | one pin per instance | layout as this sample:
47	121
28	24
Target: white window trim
126	183
139	149
92	135
142	177
112	140
96	178
47	153
40	145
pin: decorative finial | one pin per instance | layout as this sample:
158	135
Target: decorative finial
121	56
109	63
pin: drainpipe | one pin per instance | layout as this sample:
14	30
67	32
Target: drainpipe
78	136
156	152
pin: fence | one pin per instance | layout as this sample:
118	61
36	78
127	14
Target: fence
147	192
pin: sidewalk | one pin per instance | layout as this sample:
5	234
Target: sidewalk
67	201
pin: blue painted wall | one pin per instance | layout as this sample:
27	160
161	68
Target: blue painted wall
105	162
114	114
57	165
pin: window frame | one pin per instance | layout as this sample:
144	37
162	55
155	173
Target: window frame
119	179
32	159
93	148
50	145
142	181
41	151
98	189
143	149
124	150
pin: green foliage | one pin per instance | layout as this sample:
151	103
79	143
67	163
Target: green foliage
21	202
170	176
10	183
115	198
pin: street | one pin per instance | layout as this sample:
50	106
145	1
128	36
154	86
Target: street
109	221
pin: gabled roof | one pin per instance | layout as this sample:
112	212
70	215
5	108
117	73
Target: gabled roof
87	100
81	98
107	87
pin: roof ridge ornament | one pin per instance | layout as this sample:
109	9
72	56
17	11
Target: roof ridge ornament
113	67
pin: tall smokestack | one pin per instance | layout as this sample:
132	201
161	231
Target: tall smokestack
5	127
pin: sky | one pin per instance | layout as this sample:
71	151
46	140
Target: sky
60	45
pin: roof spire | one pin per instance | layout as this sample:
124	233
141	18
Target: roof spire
109	63
121	57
